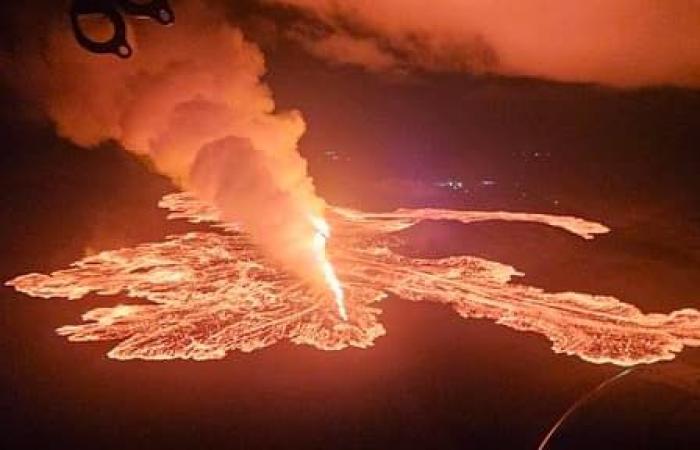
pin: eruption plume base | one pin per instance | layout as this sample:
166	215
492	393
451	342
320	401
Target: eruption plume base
213	292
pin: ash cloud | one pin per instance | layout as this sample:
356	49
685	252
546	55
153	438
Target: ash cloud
624	43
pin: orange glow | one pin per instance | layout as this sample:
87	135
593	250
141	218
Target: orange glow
626	43
323	233
195	106
213	292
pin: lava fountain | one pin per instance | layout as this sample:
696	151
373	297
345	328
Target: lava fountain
208	293
323	233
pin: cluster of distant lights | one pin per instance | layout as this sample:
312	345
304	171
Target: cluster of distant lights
335	156
456	185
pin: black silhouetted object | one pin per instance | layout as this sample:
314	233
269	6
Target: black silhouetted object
114	11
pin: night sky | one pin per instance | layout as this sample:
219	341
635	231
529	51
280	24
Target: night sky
625	157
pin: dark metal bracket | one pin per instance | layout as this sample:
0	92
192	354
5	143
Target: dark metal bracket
158	10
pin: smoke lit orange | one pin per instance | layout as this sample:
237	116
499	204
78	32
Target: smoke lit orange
213	292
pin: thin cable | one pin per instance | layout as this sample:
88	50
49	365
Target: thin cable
579	402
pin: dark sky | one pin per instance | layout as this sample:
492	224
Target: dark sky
627	158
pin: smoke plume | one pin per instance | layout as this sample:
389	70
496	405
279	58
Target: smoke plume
191	101
624	43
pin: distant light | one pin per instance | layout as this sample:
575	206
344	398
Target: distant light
454	185
332	154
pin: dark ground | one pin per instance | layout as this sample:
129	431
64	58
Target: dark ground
627	159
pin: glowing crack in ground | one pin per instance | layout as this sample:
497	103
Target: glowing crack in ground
212	292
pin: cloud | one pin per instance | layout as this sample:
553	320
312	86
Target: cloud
624	43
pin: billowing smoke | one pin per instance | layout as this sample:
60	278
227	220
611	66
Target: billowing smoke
625	43
191	101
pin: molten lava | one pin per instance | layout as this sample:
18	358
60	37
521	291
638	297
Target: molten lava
213	292
323	232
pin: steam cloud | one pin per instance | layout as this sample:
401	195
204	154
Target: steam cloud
191	101
624	43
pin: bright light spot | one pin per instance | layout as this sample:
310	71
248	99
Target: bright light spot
323	232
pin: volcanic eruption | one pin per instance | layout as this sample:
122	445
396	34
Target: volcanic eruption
213	292
192	103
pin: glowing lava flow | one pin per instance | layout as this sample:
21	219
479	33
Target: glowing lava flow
323	233
212	292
